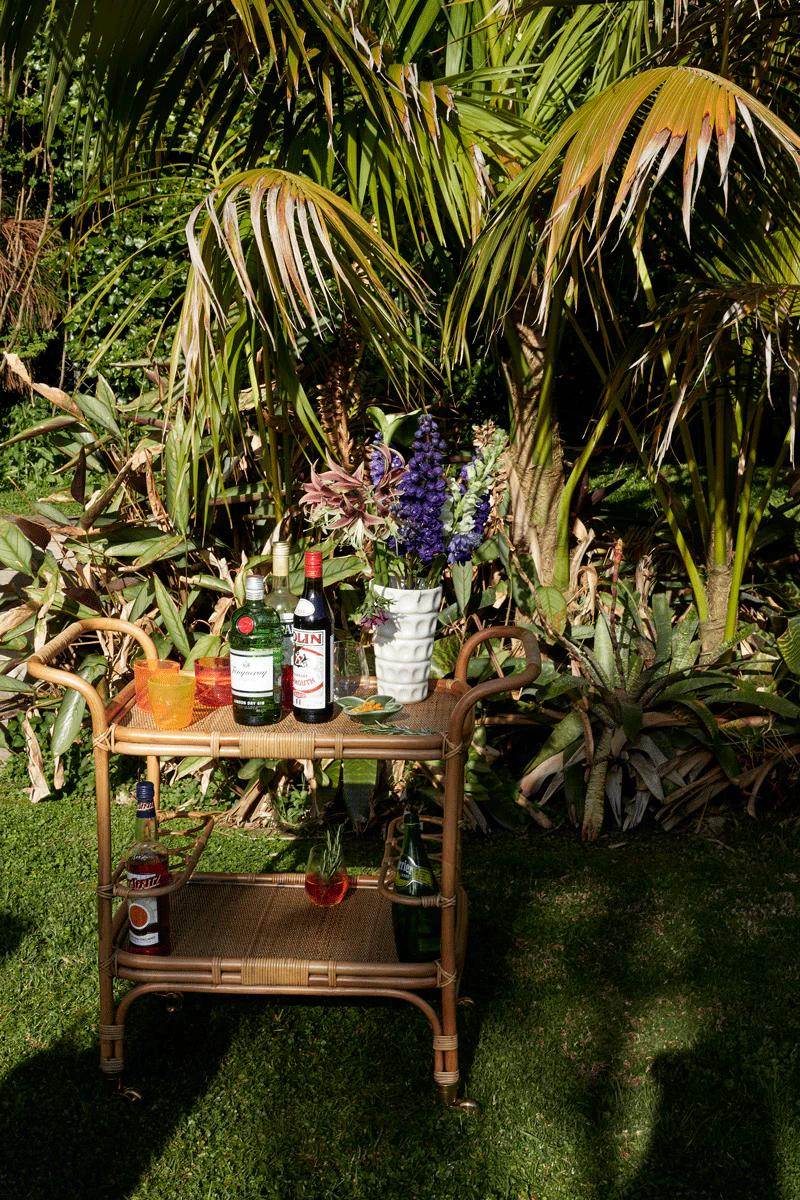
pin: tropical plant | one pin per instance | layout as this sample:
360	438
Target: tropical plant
648	725
545	252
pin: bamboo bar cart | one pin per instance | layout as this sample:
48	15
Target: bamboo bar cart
258	934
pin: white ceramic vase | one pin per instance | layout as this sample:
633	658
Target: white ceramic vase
404	644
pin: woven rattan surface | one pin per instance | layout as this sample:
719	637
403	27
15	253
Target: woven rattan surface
216	732
235	920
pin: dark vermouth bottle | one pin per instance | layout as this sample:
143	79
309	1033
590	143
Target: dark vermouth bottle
312	663
147	867
256	650
417	930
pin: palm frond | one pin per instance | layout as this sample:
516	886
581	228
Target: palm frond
630	133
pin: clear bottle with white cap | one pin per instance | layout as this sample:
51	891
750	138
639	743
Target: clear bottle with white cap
284	602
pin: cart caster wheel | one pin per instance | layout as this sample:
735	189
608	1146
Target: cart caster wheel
127	1093
470	1108
173	1001
465	1002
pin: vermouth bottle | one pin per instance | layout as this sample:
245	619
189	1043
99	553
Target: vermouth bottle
256	648
312	663
284	603
417	930
147	867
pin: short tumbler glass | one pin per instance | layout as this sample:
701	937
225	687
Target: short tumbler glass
350	670
143	668
171	699
213	677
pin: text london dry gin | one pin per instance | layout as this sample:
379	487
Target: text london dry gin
312	664
256	648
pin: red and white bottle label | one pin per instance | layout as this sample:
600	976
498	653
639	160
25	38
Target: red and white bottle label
143	909
310	668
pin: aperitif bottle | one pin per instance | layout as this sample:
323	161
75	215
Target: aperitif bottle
147	867
284	603
256	648
417	930
312	664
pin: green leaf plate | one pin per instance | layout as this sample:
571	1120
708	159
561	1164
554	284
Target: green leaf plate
351	705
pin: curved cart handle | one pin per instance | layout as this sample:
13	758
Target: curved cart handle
38	663
492	687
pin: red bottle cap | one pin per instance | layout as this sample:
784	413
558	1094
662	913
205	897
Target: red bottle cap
313	564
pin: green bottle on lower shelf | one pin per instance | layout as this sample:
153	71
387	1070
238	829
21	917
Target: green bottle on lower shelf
417	930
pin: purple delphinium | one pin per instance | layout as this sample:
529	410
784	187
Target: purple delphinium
423	493
378	464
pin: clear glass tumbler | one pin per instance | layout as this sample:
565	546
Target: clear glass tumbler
350	672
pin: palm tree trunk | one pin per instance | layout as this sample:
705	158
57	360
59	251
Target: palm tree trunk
719	581
536	475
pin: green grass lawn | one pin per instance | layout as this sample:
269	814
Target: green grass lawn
634	1036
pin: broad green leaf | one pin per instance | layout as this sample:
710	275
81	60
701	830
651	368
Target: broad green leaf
553	605
142	601
755	698
97	413
334	570
789	645
188	766
15	549
70	714
162	547
445	653
14	686
461	574
207	645
172	619
631	721
106	398
603	655
566	733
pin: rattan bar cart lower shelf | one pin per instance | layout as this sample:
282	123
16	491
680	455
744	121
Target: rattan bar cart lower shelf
258	934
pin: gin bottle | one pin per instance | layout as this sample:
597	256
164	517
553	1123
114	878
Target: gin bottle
256	647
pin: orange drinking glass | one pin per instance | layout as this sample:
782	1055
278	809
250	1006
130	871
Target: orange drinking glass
143	668
213	677
171	698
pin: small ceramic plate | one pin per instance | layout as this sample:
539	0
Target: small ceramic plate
353	706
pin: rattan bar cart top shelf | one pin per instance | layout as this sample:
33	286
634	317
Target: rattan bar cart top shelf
258	934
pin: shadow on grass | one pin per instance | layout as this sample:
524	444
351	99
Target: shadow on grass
69	1133
678	963
12	931
711	1136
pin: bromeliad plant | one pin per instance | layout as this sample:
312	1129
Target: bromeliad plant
645	721
409	520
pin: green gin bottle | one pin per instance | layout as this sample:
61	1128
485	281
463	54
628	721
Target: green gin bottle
256	646
417	930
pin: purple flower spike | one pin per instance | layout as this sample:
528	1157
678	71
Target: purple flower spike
423	494
379	465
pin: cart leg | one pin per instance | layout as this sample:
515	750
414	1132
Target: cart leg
112	1033
445	1045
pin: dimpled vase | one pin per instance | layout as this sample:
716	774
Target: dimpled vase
404	644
